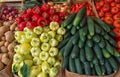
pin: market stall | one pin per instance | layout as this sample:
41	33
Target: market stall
59	38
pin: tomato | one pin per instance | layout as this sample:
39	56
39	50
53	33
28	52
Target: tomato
108	20
98	7
117	23
116	16
117	32
113	4
114	10
102	18
101	13
118	5
118	1
101	3
109	1
108	14
88	12
106	8
118	43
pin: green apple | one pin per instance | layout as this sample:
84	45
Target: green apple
35	42
35	51
43	55
45	46
38	30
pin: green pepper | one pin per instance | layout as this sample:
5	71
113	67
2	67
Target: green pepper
17	58
24	39
45	46
51	61
59	37
53	51
61	31
38	30
45	67
42	74
43	55
54	26
46	29
17	49
57	64
44	37
53	42
28	62
37	61
15	67
18	34
53	71
25	48
51	34
35	51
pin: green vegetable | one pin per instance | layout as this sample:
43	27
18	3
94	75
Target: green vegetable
51	34
44	37
53	71
45	67
61	31
38	30
54	26
45	46
43	55
53	42
53	51
35	51
51	61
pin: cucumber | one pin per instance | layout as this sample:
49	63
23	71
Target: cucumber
69	26
68	48
98	69
67	35
91	64
87	68
98	52
113	42
97	29
80	43
101	43
116	53
73	30
106	36
93	71
102	61
78	66
117	59
90	24
75	38
85	31
103	69
72	65
83	21
75	52
82	55
104	26
109	48
79	16
95	60
112	34
113	64
96	38
63	43
61	51
82	37
88	53
69	19
65	62
108	67
111	26
89	36
89	43
105	53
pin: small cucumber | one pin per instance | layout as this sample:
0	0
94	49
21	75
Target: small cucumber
101	43
97	29
105	53
83	22
109	48
118	59
113	42
108	67
96	38
82	55
69	26
87	68
75	38
90	24
65	62
98	69
112	34
73	30
67	35
80	43
103	69
61	51
72	65
89	42
75	52
95	60
82	37
116	53
78	66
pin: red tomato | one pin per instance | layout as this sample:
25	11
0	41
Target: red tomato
108	14
101	13
88	12
106	8
116	16
118	5
102	18
118	1
118	43
113	4
98	7
117	32
108	20
109	1
117	23
114	10
101	3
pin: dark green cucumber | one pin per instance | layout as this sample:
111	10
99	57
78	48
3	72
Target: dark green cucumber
111	26
117	59
65	62
85	31
73	30
75	51
87	68
82	55
80	43
79	16
98	69
69	26
106	36
75	38
103	69
102	61
108	67
116	53
67	35
113	63
109	48
95	60
83	21
72	65
68	48
112	34
91	64
88	53
97	29
93	71
90	24
82	37
89	42
103	25
113	42
69	19
89	36
96	38
105	53
101	43
63	43
78	66
98	52
61	51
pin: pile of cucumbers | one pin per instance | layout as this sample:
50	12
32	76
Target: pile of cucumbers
88	46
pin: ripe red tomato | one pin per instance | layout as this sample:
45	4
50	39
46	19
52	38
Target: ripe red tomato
118	5
109	1
88	12
114	10
117	31
101	3
98	7
106	8
113	4
118	1
116	16
108	20
101	13
108	14
117	23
